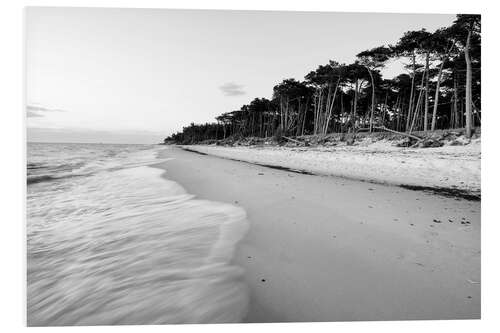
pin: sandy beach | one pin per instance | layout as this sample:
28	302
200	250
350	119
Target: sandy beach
453	168
324	248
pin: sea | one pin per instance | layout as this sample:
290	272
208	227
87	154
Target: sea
112	241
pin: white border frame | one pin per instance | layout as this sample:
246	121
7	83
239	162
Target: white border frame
12	139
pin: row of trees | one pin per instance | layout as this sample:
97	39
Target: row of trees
441	89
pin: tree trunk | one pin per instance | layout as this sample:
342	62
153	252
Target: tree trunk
281	113
327	107
417	109
426	98
468	89
305	115
341	111
287	117
410	103
385	108
436	97
455	103
452	114
418	104
438	84
396	132
397	110
317	109
331	107
373	98
354	109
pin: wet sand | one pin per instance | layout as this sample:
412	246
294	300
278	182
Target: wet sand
324	248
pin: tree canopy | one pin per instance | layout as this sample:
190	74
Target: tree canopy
441	89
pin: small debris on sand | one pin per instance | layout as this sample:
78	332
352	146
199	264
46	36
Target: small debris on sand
436	221
263	280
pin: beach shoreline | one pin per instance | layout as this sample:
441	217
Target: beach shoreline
334	249
451	170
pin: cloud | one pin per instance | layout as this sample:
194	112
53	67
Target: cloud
232	89
37	111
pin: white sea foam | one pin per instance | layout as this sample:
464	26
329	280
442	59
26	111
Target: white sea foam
124	246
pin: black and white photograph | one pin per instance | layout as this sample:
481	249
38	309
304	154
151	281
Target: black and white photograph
205	166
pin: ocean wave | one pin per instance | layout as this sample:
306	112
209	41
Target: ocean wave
50	164
34	179
31	166
39	179
128	247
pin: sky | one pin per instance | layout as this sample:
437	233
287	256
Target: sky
138	75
